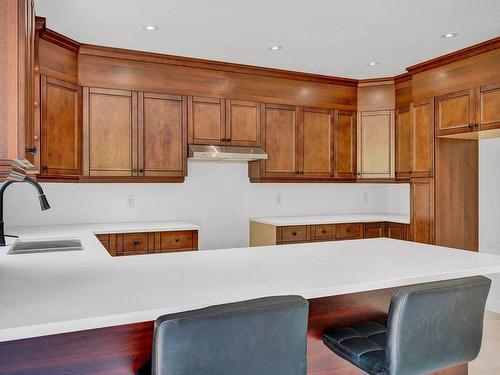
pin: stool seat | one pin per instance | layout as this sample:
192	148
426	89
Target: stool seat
362	344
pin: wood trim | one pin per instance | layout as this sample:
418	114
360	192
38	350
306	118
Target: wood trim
455	56
404	77
119	53
54	37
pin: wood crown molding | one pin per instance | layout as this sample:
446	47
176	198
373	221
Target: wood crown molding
376	82
54	37
118	53
402	78
461	54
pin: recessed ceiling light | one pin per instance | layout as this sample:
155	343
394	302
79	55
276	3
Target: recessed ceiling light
373	63
276	48
151	27
449	35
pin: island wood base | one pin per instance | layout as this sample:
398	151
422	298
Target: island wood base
122	350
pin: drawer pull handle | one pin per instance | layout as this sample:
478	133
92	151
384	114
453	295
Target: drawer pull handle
323	231
348	230
294	233
136	242
177	240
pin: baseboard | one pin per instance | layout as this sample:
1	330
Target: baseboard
493	305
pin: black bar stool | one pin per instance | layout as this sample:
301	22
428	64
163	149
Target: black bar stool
430	327
256	337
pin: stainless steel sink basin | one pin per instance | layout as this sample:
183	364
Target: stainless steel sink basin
45	246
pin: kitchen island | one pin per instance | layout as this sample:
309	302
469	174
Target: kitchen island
87	312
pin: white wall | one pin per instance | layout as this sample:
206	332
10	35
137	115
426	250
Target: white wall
489	209
218	197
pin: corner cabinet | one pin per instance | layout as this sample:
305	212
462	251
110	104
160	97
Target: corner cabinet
133	136
376	143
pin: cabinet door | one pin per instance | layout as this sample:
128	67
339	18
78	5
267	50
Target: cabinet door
316	148
242	123
110	138
345	145
162	137
404	144
60	128
376	145
396	231
374	230
206	121
280	140
455	113
489	107
422	210
423	139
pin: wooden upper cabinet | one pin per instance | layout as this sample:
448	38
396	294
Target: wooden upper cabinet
345	145
162	135
489	107
423	138
422	209
316	146
404	143
110	132
280	128
60	127
206	121
376	144
242	123
455	112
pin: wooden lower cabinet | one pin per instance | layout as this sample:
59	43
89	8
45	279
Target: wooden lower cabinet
142	243
422	209
266	234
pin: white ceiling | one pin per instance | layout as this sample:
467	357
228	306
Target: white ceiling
332	37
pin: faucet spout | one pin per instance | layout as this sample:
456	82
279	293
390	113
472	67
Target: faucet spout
44	204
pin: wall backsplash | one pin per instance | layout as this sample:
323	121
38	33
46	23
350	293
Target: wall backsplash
218	197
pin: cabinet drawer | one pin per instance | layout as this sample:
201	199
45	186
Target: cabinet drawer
135	243
297	233
374	230
176	240
396	231
323	232
349	231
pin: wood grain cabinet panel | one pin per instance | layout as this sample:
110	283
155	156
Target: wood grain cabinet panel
316	146
280	127
206	121
404	143
110	128
489	107
423	139
349	231
422	210
455	112
242	123
176	241
396	231
162	132
376	145
135	243
60	127
374	230
345	145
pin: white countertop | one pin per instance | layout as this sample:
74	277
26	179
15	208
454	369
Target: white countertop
280	221
43	294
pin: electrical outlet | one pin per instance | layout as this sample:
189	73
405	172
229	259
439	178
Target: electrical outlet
279	198
131	201
365	197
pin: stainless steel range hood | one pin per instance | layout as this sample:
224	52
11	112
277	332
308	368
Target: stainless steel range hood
226	153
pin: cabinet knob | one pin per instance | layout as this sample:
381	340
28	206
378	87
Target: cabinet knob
177	240
294	233
141	170
323	231
348	230
134	170
45	168
223	140
228	139
136	242
471	126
